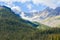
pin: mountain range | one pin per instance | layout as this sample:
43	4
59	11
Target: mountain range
49	16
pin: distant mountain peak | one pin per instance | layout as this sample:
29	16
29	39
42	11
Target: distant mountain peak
48	9
57	9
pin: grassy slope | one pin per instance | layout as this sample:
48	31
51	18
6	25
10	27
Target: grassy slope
53	21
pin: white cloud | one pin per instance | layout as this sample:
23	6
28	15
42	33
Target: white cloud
5	0
23	16
23	1
49	3
17	8
33	11
8	1
29	6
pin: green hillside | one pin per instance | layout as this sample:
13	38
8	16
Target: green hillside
13	27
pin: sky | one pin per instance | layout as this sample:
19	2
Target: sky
30	5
